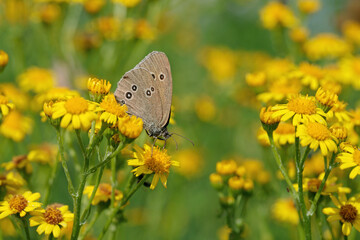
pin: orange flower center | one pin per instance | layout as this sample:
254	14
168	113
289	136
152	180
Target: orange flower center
318	131
314	185
158	161
302	106
3	99
53	215
348	213
356	156
17	160
285	128
110	105
18	203
76	105
105	189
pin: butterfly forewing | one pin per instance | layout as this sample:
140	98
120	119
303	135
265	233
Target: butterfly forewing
137	90
158	66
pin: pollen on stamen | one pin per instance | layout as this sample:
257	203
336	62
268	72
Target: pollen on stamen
18	203
302	105
348	212
318	131
76	105
53	215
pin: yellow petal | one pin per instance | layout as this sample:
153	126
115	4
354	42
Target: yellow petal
76	122
346	228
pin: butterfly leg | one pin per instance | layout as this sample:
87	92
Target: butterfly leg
152	148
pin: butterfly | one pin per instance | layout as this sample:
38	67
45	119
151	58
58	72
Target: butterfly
147	92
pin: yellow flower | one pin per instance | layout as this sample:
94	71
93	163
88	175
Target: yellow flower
130	126
236	183
15	126
127	3
313	185
44	153
103	193
263	137
226	167
346	211
191	162
284	134
220	62
350	159
7	228
19	204
37	80
278	67
5	105
351	31
299	34
301	109
93	6
98	86
349	71
205	109
12	181
51	219
339	112
326	45
216	181
49	13
284	210
143	30
152	160
4	59
108	27
315	165
55	95
75	113
275	14
315	134
111	110
269	122
339	132
280	89
19	98
326	98
309	6
255	79
18	162
311	75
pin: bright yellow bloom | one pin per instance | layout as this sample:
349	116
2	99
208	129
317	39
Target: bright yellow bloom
55	95
75	113
255	79
299	34
205	108
191	162
284	134
152	160
51	219
236	183
4	59
350	159
15	95
309	6
18	162
326	98
37	80
98	86
313	185
12	181
19	204
103	193
315	134
221	63
326	45
15	126
349	71
301	109
351	31
111	110
127	3
93	6
346	211
216	181
5	105
266	117
339	112
226	167
339	132
130	126
275	14
284	210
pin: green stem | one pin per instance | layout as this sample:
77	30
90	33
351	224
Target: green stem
281	167
51	237
83	150
89	227
306	153
114	211
64	164
322	185
26	227
113	181
51	180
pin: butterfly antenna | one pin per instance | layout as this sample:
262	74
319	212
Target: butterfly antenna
177	146
152	148
184	138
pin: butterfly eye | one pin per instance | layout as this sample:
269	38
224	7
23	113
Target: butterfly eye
162	76
152	89
148	93
122	101
128	95
153	75
134	87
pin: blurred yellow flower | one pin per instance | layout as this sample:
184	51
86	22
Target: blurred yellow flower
205	109
236	183
315	165
339	132
12	181
53	94
127	3
108	27
130	126
19	204
7	228
284	134
221	62
75	113
349	71
111	111
301	109
103	193
143	30
315	134
263	137
216	180
313	185
15	95
44	153
326	46
255	79
346	211
5	106
284	211
277	68
311	75
49	13
15	126
275	14
18	162
226	167
191	162
51	219
351	31
309	6
37	80
299	34
280	89
93	6
339	112
152	160
4	59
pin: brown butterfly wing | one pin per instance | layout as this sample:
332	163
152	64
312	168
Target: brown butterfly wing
158	65
137	90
